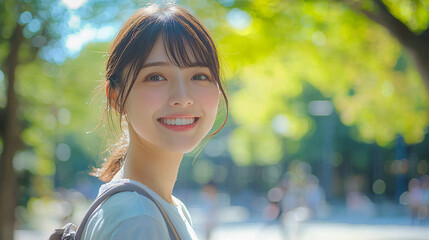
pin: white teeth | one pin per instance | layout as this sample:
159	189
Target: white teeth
179	121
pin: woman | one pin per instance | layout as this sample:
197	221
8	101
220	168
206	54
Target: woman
162	77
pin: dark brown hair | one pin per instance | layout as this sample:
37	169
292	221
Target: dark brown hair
129	51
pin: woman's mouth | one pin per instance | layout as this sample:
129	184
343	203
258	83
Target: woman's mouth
179	124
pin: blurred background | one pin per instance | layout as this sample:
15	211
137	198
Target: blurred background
327	136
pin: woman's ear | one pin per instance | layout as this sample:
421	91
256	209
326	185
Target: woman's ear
111	95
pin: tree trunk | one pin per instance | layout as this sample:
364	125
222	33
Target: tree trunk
420	55
11	137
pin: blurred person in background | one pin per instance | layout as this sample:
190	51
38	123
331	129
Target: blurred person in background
209	196
415	197
357	202
418	200
315	196
423	212
303	198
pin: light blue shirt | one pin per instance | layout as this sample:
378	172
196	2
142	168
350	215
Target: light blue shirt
129	215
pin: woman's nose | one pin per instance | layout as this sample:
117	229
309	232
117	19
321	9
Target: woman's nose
180	94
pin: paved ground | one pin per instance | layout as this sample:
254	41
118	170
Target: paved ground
307	231
390	223
322	231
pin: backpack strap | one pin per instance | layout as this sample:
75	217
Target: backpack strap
124	187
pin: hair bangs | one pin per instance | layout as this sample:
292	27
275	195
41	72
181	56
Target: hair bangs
187	45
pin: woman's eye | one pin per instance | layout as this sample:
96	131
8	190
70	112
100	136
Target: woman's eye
200	77
155	78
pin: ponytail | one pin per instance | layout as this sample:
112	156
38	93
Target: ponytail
113	163
117	152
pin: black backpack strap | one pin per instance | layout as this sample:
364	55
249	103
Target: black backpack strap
124	187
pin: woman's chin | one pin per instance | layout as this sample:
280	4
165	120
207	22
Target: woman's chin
180	146
182	149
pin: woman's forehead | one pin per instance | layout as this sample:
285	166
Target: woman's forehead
158	52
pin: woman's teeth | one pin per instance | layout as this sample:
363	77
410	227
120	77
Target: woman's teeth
178	121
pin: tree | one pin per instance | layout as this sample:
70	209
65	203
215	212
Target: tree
30	54
415	43
357	64
25	29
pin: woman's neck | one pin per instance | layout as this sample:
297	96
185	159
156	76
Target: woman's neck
150	165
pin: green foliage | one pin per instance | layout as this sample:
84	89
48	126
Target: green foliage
353	61
414	14
57	102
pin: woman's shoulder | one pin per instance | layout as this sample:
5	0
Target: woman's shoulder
123	211
127	205
126	215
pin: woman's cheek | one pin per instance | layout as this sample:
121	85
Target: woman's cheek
210	100
152	99
145	102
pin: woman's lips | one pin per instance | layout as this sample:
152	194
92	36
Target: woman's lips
179	128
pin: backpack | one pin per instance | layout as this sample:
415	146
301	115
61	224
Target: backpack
71	232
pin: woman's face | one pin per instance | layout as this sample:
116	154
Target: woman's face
163	89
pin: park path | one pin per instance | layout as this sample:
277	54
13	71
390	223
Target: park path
304	231
322	231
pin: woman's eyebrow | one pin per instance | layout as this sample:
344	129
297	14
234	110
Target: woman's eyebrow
154	64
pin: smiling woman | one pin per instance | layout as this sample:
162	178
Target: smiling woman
162	78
